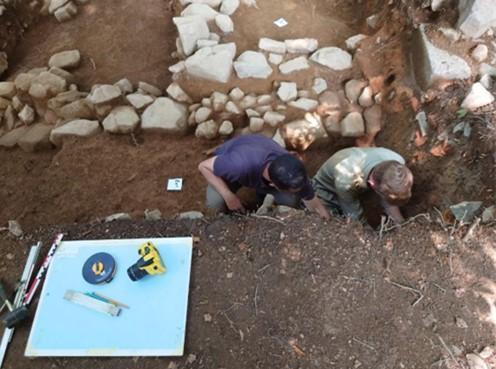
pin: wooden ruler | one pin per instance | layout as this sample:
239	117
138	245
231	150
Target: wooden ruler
92	303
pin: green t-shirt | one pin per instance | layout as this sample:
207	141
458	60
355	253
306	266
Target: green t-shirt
344	176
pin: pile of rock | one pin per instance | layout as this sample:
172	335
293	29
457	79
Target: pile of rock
43	106
63	10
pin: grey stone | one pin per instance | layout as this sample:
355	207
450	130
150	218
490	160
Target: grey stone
366	99
200	44
65	59
333	58
263	109
4	103
319	85
117	216
79	109
247	102
353	125
301	134
139	101
226	128
149	89
332	123
62	73
273	118
476	362
122	119
225	23
11	138
75	128
487	351
152	215
432	63
250	113
207	130
252	64
104	94
15	228
275	59
212	63
287	91
330	101
177	93
202	115
36	138
273	46
489	214
264	99
236	94
466	211
353	41
232	108
125	86
219	100
476	17
304	104
66	12
450	33
487	81
477	97
52	83
229	7
353	89
190	215
256	124
294	65
279	139
190	30
487	69
373	20
302	45
179	67
27	115
7	89
480	53
9	117
56	4
23	81
373	119
437	4
200	10
165	115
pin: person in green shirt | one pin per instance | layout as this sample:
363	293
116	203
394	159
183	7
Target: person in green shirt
348	173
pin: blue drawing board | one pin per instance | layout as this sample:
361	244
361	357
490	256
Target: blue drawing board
155	323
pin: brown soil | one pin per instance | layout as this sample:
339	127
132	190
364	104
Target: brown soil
308	294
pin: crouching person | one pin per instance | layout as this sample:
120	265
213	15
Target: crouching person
258	162
352	171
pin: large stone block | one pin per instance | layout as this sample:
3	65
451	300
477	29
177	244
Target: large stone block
165	115
36	138
76	128
433	64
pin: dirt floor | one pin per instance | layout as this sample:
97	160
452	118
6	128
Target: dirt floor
302	293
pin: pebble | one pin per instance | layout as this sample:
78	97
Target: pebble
208	130
273	118
15	228
248	101
155	214
366	99
226	128
177	93
232	108
477	97
150	89
256	124
225	23
476	362
250	113
319	85
480	53
207	318
117	216
264	99
288	91
236	94
275	59
294	65
202	115
229	7
219	100
304	104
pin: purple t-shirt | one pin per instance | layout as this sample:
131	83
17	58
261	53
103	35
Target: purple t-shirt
243	159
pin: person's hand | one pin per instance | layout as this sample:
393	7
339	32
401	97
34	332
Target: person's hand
234	204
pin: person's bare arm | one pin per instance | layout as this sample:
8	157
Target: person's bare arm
393	212
233	202
316	205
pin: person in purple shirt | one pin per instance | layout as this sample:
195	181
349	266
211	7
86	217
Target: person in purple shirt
258	162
